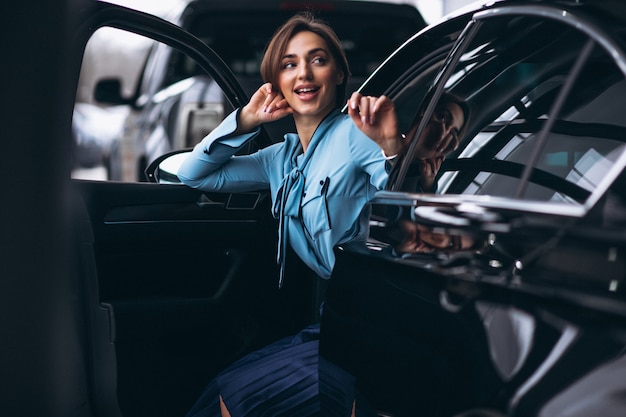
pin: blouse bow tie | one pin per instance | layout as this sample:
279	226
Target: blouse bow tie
291	190
289	194
287	203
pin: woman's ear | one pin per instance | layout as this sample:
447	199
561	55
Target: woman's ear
340	78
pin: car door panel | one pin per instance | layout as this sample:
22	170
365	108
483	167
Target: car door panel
439	334
177	283
188	286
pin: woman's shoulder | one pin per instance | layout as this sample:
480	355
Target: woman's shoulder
340	120
341	127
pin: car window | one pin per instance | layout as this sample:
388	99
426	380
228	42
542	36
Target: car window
112	62
512	74
115	140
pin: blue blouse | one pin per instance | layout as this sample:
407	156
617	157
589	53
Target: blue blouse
317	196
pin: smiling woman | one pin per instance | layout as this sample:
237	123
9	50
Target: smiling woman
319	178
305	72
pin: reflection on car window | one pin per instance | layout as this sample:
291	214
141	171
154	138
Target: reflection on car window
511	79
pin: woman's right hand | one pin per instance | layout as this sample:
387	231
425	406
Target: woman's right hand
265	105
376	117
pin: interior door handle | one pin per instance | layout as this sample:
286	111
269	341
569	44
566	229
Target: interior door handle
206	202
237	201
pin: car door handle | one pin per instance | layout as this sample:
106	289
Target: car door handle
243	201
238	201
205	202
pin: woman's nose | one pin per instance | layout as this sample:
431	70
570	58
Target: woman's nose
304	71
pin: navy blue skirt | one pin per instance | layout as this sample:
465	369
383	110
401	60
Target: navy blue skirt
285	378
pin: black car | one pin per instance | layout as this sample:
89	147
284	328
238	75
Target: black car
500	295
175	104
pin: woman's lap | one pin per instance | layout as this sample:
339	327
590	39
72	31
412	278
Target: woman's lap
282	378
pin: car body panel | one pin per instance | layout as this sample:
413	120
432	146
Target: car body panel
533	309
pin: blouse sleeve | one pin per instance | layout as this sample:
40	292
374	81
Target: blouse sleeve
367	154
211	165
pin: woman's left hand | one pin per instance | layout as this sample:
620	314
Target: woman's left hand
376	117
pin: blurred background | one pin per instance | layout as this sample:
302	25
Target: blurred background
109	144
96	66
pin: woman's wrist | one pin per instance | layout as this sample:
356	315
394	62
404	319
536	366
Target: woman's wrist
245	122
394	147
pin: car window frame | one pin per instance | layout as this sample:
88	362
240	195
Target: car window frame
595	35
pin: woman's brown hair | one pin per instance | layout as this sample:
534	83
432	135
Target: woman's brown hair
304	22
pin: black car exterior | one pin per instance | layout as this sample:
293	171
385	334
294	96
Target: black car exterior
124	299
524	314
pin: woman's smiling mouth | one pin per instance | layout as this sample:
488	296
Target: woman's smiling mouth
306	93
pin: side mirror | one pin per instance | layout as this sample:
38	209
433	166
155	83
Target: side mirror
109	91
164	169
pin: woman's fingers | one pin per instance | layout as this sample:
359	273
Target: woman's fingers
381	103
265	105
353	101
273	101
358	107
366	107
269	96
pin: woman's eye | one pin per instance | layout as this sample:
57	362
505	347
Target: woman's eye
319	60
288	65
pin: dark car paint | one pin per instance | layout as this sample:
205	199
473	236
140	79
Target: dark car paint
442	333
42	354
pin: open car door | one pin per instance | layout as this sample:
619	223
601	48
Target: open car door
177	283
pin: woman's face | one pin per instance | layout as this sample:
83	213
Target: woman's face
441	135
308	76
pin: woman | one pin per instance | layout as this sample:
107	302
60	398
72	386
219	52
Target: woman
320	179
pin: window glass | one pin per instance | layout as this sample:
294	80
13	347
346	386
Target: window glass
110	70
119	130
511	80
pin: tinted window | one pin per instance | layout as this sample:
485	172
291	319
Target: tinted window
511	75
